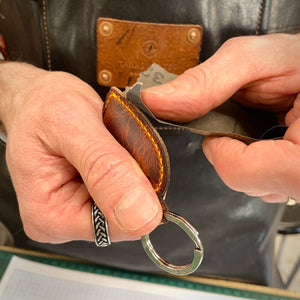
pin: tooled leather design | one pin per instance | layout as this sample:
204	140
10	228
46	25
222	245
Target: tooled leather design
136	134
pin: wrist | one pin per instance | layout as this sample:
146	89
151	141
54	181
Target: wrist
15	77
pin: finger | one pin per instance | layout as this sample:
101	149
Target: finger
275	198
116	183
271	198
260	169
294	113
264	99
233	66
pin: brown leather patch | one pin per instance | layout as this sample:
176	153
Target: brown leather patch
135	133
125	49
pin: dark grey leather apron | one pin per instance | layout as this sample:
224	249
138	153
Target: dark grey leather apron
237	231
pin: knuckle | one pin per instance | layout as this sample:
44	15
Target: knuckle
236	43
37	223
58	116
34	232
42	228
104	169
238	47
60	110
197	76
199	80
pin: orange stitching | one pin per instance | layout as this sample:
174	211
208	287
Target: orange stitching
148	134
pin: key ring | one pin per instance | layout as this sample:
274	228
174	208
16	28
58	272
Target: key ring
163	264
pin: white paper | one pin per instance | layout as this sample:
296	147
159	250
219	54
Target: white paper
28	280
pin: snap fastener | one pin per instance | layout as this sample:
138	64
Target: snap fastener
105	76
106	28
193	36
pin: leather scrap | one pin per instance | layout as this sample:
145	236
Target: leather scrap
229	119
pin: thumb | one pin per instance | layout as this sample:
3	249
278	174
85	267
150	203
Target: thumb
202	88
112	177
255	169
119	187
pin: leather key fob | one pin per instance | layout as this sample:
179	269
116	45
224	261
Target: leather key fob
137	135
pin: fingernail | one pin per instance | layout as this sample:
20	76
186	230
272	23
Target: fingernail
160	90
136	209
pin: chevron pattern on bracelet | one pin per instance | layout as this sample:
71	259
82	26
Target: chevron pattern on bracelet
100	227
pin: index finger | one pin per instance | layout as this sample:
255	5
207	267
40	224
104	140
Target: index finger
239	61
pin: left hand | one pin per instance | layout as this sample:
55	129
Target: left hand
260	72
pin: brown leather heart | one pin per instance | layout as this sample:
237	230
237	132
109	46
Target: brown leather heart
135	133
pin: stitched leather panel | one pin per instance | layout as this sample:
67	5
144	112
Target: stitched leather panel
126	48
136	134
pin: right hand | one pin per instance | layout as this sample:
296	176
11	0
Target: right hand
60	154
259	72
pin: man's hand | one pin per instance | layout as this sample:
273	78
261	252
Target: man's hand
60	155
260	72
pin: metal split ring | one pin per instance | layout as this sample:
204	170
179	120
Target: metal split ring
166	266
102	240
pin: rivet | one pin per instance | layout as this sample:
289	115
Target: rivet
193	35
106	28
105	76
